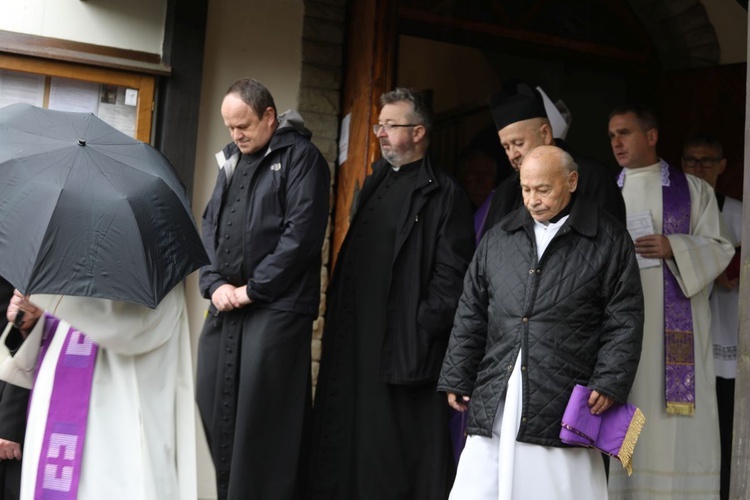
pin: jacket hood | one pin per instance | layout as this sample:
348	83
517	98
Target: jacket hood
292	120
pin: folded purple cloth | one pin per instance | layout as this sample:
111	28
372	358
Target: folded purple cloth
614	432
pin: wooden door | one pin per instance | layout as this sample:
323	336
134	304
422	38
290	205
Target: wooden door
370	63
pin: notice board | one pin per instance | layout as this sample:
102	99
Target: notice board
124	99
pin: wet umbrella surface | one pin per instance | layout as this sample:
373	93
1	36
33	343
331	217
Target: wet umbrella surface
86	210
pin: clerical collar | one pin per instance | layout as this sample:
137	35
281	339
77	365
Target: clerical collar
565	211
408	167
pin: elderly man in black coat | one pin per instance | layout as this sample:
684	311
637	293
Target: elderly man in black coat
380	428
552	299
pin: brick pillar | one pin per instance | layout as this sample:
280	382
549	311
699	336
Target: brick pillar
319	103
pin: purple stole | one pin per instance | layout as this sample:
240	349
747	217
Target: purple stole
679	352
61	455
480	217
614	432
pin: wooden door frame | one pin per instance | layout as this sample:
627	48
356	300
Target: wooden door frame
370	67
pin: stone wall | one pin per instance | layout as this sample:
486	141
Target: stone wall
319	103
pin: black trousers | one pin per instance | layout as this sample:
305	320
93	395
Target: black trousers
725	399
10	479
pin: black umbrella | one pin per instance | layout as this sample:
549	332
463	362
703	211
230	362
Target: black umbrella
86	210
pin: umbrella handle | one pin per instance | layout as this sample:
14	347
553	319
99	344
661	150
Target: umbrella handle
18	321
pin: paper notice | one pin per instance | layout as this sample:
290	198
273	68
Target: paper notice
344	138
21	87
641	224
74	95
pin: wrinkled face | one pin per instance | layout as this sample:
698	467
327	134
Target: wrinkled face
249	131
521	137
632	146
399	145
703	161
546	187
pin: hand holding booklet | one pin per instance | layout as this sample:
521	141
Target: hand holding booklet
641	224
614	432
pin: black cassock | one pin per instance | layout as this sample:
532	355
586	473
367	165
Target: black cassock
253	378
381	441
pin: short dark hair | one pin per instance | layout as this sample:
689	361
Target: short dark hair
645	115
420	104
254	94
707	140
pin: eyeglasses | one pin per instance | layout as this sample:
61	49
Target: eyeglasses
390	126
692	161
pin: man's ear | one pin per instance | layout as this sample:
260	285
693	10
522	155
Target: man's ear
419	133
652	136
546	131
269	114
573	181
722	166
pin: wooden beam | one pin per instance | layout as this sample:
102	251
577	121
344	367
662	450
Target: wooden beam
430	25
740	479
82	53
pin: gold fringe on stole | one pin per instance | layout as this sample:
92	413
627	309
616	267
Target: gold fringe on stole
687	409
631	438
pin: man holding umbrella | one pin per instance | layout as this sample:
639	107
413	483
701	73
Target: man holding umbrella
263	230
97	235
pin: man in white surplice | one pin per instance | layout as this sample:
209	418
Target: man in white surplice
678	456
140	431
552	299
703	156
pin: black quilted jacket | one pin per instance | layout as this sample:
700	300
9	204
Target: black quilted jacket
577	316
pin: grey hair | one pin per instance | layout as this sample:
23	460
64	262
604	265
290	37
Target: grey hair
421	108
567	162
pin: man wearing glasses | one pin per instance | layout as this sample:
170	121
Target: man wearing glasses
703	156
681	250
380	428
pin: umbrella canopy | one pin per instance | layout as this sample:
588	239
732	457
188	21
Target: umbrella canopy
86	210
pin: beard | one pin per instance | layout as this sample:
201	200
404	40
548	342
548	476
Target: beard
391	157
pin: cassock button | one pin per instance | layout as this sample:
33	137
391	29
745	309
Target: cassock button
229	223
226	236
523	420
525	319
509	368
523	368
531	271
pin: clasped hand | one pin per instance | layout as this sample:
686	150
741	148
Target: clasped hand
229	297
